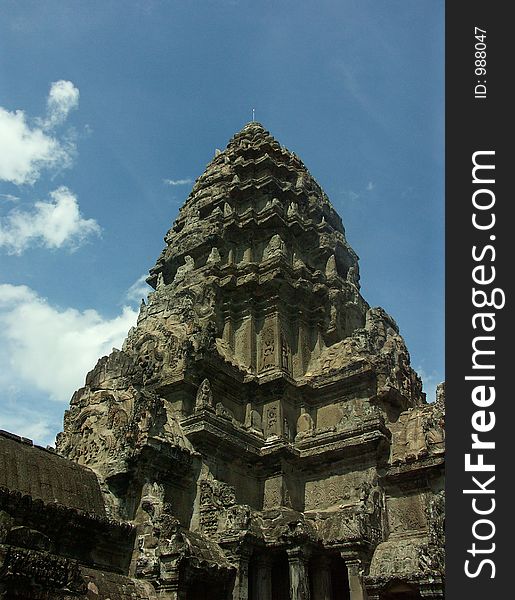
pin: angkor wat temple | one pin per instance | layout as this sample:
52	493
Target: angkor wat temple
261	434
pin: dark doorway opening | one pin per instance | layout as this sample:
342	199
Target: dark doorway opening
339	579
205	590
401	591
280	577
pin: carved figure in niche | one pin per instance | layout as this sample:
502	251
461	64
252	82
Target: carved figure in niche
160	280
247	254
293	209
227	209
334	297
204	399
285	354
206	337
300	180
152	500
189	265
224	412
286	429
238	517
214	256
174	353
117	419
415	438
330	267
275	247
268	349
305	425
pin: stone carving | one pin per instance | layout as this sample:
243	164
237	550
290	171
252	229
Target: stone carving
204	399
297	262
271	419
225	413
256	422
293	209
238	518
199	478
275	247
330	268
353	276
305	425
267	348
216	498
285	354
214	256
183	270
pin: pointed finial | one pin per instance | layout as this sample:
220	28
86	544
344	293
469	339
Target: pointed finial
253	114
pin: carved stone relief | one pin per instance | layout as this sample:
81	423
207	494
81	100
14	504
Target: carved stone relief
204	398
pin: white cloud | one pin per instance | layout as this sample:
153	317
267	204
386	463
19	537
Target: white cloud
52	224
63	98
26	150
50	349
350	195
9	197
177	181
138	290
24	422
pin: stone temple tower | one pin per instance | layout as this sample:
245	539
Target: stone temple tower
261	429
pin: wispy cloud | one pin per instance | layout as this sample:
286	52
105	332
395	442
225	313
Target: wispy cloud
9	197
177	181
26	422
25	149
62	98
51	224
352	195
352	81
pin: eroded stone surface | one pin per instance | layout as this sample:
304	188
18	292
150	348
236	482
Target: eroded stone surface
261	422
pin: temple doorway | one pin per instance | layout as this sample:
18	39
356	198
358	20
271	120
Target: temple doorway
339	579
280	577
328	578
400	591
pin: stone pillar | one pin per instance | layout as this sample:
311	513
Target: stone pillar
253	341
356	586
322	579
262	589
171	588
241	583
298	568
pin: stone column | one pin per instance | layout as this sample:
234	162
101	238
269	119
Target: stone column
298	568
241	583
322	579
356	586
171	588
262	589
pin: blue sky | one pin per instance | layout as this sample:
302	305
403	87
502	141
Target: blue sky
108	112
